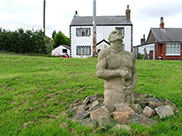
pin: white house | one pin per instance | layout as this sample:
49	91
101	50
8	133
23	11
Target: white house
81	33
61	51
102	45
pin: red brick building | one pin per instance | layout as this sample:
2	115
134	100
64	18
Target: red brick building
166	42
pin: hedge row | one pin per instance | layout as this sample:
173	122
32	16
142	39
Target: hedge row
21	41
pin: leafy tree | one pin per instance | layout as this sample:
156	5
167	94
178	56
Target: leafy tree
59	39
53	34
67	41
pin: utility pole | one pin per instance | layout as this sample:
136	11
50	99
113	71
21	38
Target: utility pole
44	6
94	28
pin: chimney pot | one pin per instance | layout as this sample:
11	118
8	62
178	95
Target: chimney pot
162	23
76	13
143	40
128	12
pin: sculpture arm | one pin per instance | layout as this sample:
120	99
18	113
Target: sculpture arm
133	78
107	74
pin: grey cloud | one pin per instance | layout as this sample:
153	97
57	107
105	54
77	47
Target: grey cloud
13	7
157	10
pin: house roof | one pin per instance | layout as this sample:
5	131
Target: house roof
66	46
103	41
100	20
143	44
167	34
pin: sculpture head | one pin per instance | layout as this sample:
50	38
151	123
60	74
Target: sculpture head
114	36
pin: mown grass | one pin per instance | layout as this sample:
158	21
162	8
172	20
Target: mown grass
36	92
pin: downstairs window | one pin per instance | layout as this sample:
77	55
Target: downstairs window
173	49
83	50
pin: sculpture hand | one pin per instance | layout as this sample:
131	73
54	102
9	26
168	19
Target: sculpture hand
125	74
129	87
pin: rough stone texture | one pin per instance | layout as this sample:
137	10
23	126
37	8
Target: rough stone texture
117	68
137	108
152	102
93	98
110	108
123	107
122	117
82	115
167	102
86	100
139	97
148	112
123	127
142	119
164	111
100	112
94	105
102	121
89	123
123	112
80	108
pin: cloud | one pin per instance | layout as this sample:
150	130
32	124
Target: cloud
160	8
144	13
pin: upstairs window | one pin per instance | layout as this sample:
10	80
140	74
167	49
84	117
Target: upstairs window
173	49
83	32
121	29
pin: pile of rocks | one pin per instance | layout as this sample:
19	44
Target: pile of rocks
92	110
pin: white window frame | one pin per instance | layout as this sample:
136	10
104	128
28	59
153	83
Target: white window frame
83	50
173	49
83	32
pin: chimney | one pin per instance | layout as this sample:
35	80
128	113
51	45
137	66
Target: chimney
128	12
76	13
143	40
162	23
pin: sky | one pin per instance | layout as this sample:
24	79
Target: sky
145	14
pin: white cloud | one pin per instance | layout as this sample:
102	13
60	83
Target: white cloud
144	13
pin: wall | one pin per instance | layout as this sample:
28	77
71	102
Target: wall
149	47
102	33
58	51
80	41
164	57
101	46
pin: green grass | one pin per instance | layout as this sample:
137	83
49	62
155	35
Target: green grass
36	92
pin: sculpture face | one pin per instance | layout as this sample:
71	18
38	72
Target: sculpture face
116	35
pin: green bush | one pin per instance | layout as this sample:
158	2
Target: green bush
21	41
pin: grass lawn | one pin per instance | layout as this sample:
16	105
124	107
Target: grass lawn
36	92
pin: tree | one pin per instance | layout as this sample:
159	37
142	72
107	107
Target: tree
60	39
53	34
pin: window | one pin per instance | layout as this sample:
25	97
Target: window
121	29
83	32
83	50
64	50
173	49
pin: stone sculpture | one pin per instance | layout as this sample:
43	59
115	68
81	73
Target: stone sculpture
117	67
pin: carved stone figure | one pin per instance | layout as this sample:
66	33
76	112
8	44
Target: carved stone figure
117	68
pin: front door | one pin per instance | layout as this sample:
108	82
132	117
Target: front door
151	55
